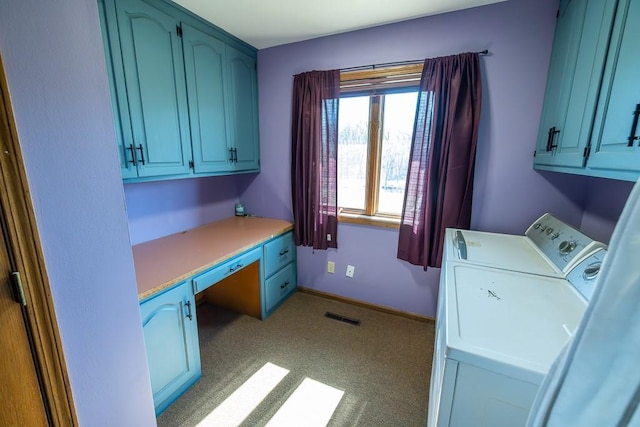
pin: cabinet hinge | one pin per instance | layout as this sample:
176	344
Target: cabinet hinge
18	290
179	30
191	166
587	151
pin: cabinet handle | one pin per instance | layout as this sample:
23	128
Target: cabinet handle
552	136
133	154
141	153
284	251
189	315
634	126
231	155
284	285
237	267
235	155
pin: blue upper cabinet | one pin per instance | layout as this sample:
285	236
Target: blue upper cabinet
577	61
243	103
185	105
154	78
615	148
120	109
590	120
205	66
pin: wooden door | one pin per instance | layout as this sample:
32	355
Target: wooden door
32	364
21	401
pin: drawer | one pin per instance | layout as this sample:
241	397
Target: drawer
220	271
279	286
278	253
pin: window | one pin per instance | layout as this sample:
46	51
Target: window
375	126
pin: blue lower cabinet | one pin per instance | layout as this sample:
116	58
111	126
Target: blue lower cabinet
278	253
278	287
171	339
221	271
280	272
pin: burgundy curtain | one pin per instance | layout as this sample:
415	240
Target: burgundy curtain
314	158
440	177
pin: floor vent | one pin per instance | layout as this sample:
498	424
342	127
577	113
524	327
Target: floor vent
334	316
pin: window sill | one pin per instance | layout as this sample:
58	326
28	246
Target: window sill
375	221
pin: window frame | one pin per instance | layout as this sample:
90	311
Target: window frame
375	83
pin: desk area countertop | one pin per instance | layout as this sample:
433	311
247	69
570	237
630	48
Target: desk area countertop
163	262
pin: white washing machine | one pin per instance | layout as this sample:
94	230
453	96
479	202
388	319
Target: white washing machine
501	324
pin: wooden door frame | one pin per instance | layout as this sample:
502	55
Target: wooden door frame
26	249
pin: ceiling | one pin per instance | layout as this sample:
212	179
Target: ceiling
267	23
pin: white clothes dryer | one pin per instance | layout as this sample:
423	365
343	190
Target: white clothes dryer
507	305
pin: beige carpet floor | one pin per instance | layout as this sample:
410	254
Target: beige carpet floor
383	365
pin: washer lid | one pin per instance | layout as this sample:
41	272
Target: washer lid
508	322
504	251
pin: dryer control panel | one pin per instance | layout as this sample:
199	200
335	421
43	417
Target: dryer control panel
583	276
562	244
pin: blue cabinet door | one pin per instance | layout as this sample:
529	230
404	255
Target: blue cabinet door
155	88
243	110
278	253
614	147
278	287
577	62
171	339
120	110
205	68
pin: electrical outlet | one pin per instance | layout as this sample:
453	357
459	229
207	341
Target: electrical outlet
350	270
331	267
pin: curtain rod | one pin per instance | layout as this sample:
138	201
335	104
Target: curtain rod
397	64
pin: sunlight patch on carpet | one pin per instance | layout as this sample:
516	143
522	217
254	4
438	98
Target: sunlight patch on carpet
311	405
245	398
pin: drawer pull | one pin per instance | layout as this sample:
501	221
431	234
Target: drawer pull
284	285
237	267
284	251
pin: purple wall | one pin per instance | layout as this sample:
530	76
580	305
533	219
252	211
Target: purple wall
509	194
55	67
603	207
156	209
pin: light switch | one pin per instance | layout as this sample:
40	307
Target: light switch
331	267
